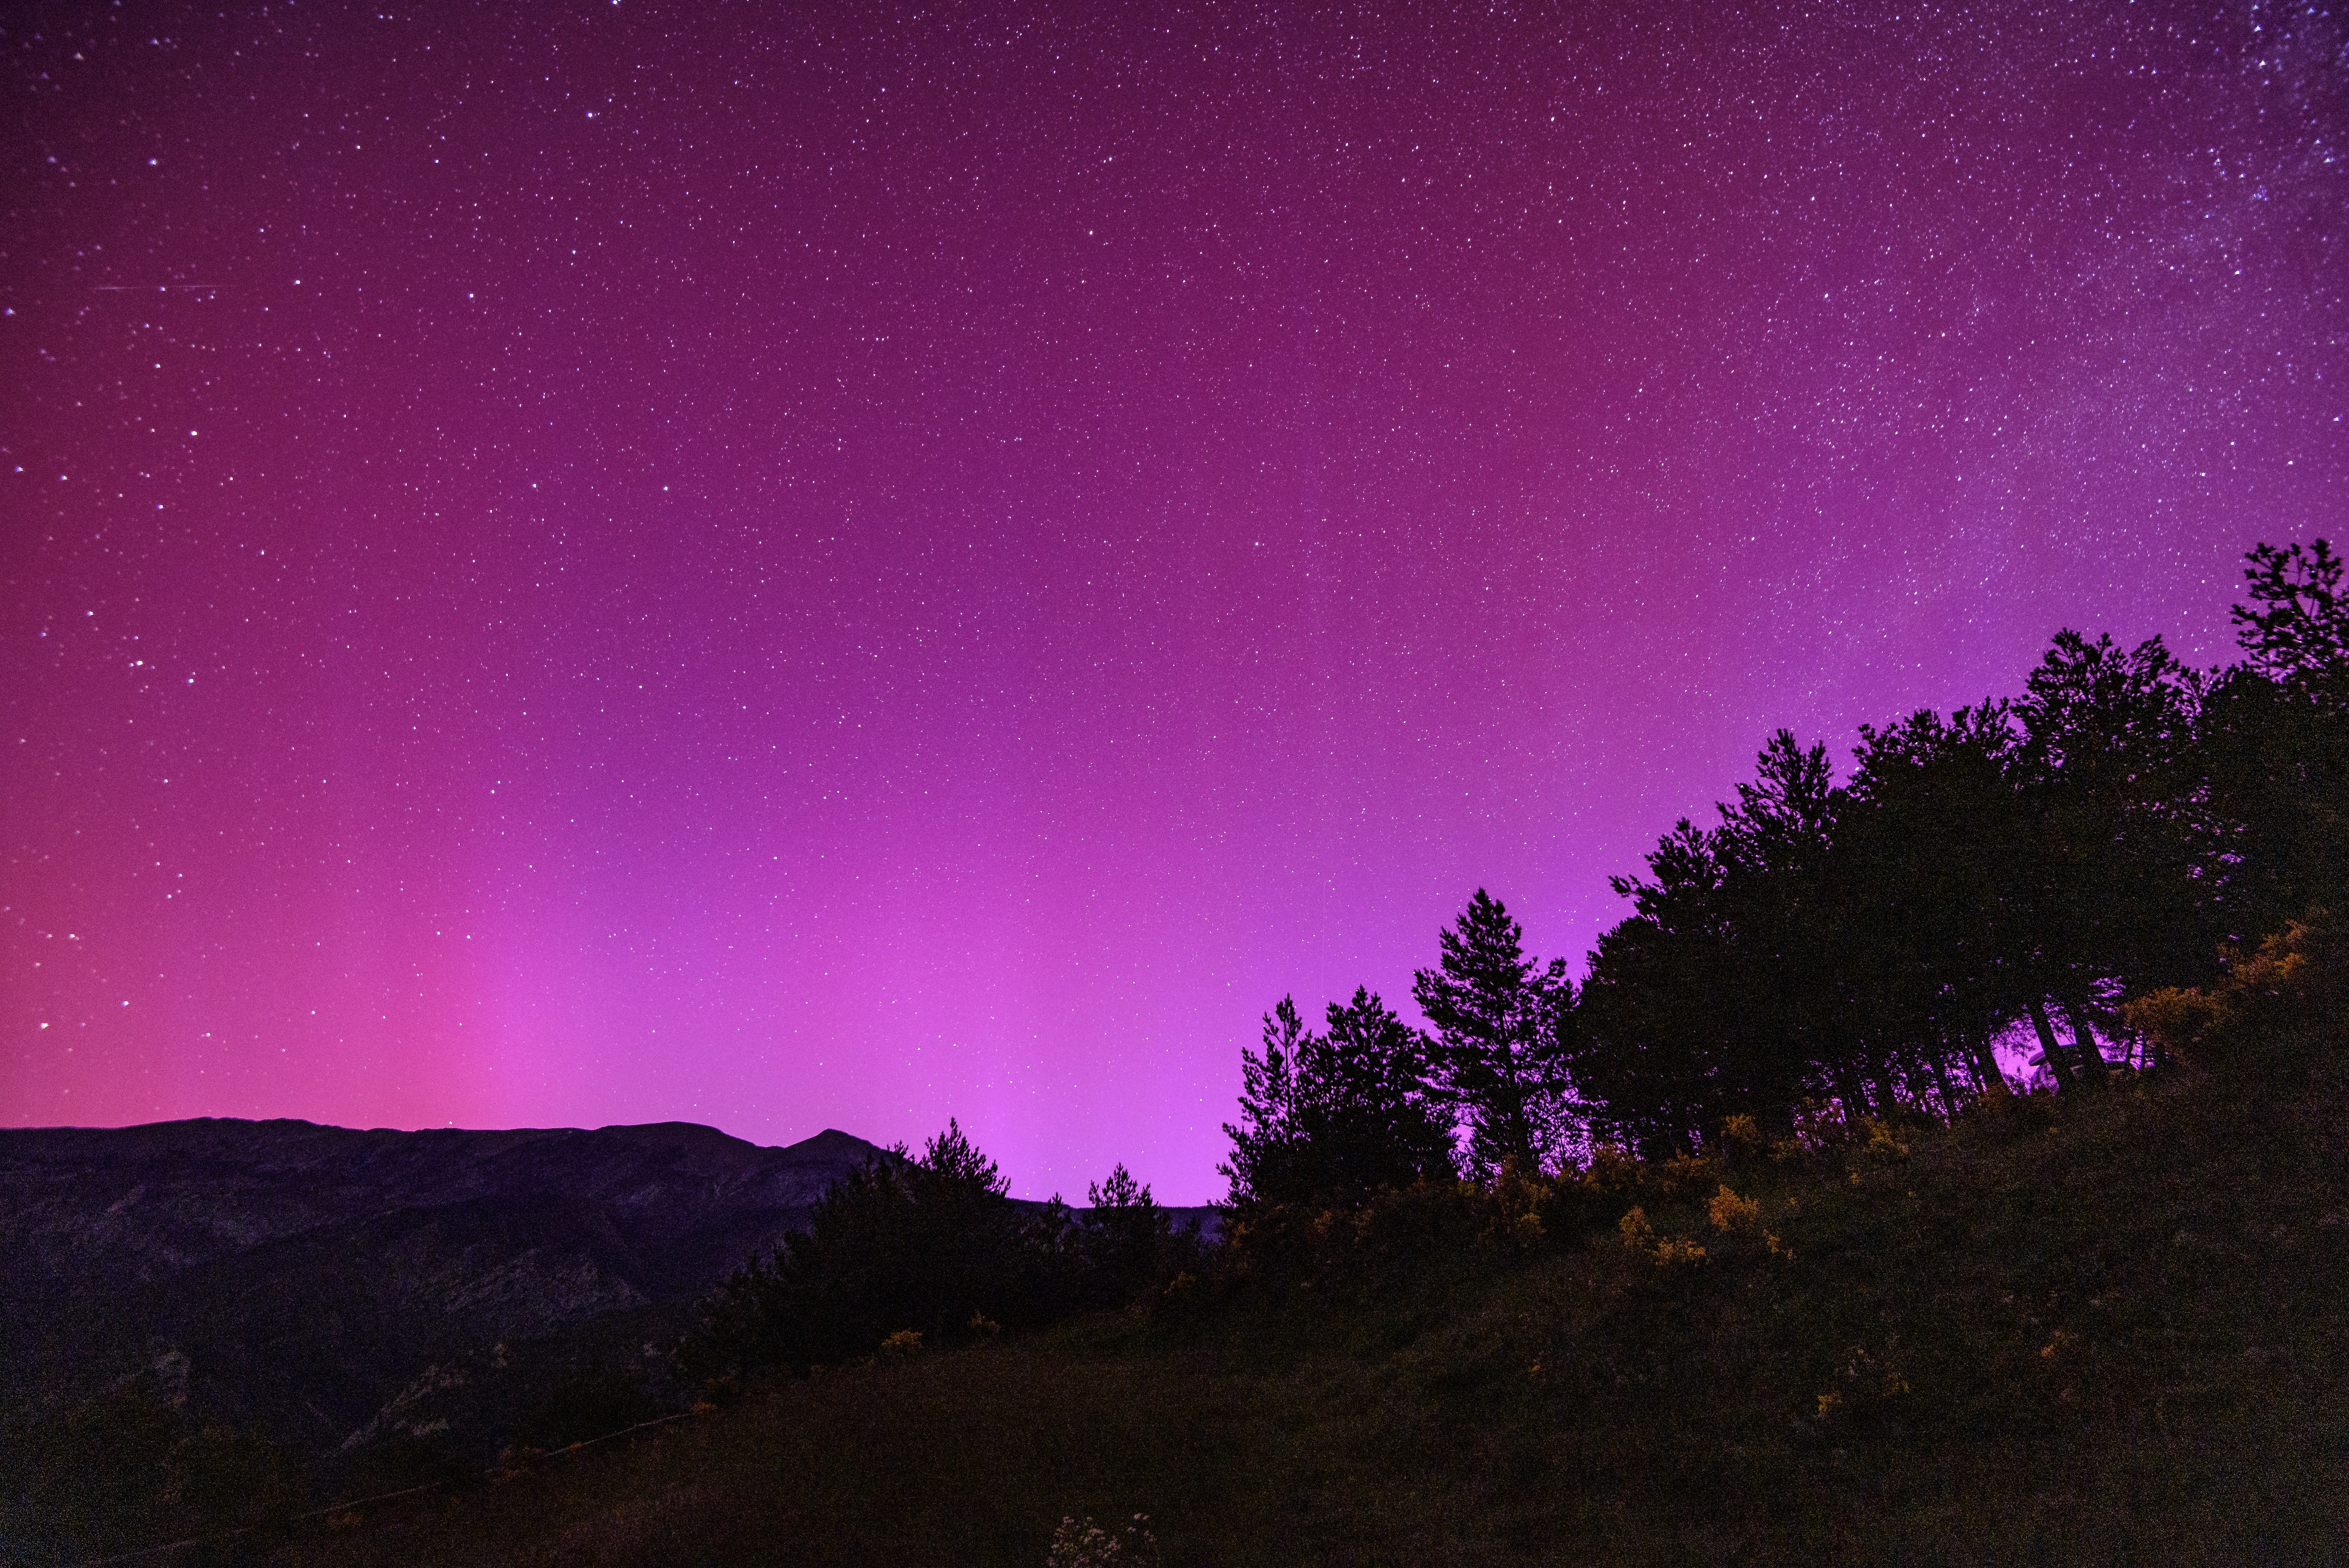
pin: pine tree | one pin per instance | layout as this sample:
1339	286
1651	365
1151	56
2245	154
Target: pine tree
1502	1039
2274	736
931	1244
1129	1242
1336	1115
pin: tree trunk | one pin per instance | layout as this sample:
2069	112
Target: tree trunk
2092	1059
1907	1083
1847	1085
1948	1092
1886	1101
1986	1064
2050	1051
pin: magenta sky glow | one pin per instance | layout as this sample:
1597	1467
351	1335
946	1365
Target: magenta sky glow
843	565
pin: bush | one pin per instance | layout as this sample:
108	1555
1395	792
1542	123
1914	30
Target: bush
897	1245
932	1248
2282	1005
1088	1545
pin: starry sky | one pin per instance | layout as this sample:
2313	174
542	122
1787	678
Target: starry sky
846	564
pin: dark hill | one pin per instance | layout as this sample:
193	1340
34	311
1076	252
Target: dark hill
300	1279
2101	1329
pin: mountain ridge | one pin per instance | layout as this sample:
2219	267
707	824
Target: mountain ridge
296	1277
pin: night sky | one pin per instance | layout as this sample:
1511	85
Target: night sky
846	565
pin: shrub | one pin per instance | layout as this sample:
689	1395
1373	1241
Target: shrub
929	1246
1684	1170
1612	1169
1512	1207
1880	1140
1088	1545
2286	1002
1742	1140
1639	1235
1736	1215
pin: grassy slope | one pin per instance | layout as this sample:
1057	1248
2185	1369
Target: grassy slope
2096	1332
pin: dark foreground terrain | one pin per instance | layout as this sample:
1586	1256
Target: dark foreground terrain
297	1296
2112	1327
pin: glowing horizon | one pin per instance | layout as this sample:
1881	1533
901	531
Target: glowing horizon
630	565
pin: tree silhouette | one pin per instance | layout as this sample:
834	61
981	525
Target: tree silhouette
1129	1243
2116	830
2109	780
1338	1113
2274	736
1933	842
931	1245
2295	631
1502	1039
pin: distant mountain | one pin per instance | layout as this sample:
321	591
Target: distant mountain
333	1287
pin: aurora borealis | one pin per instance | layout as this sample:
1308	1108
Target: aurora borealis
850	565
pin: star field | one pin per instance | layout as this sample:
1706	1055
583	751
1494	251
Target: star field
850	565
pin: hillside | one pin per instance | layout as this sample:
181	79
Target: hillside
90	1208
2108	1327
323	1291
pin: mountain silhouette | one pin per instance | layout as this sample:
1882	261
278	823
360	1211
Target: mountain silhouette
333	1287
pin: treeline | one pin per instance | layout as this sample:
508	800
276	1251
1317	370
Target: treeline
909	1254
2118	830
2114	865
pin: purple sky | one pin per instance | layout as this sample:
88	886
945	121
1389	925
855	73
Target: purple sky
613	561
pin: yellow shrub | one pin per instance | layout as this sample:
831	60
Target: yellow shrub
1640	1237
1611	1168
1737	1217
1683	1170
2175	1020
1511	1206
2287	999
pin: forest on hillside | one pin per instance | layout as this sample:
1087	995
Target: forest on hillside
1948	1152
2125	829
2091	870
